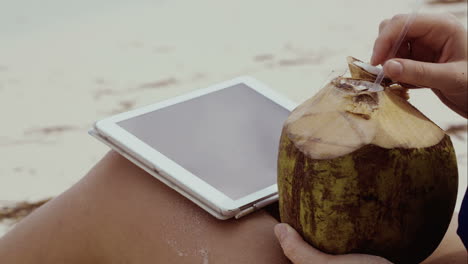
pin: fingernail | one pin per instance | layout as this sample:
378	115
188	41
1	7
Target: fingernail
281	231
393	68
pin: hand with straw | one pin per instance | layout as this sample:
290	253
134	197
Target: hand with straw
433	55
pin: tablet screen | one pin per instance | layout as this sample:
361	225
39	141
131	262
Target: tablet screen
228	138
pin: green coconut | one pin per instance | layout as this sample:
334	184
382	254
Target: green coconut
366	172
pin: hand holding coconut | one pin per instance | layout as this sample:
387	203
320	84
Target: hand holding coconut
299	252
366	172
435	56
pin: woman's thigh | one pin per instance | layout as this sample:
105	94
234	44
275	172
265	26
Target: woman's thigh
149	221
120	214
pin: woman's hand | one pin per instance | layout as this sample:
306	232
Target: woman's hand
433	55
299	252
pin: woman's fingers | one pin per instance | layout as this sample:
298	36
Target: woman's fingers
382	25
433	55
424	74
429	29
299	252
295	248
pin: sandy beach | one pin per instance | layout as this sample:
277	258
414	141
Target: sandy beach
64	65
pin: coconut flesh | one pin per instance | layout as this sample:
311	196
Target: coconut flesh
366	172
368	68
344	116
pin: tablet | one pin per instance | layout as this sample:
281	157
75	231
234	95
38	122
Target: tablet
217	146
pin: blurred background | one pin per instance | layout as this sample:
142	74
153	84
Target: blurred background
66	64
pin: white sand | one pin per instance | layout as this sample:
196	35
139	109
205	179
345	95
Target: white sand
65	64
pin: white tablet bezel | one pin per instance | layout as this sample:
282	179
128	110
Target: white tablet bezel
172	171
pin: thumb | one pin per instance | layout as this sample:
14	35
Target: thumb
431	75
295	248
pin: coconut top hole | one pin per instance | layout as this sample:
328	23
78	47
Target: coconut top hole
368	68
358	85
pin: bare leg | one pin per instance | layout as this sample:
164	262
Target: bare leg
120	214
